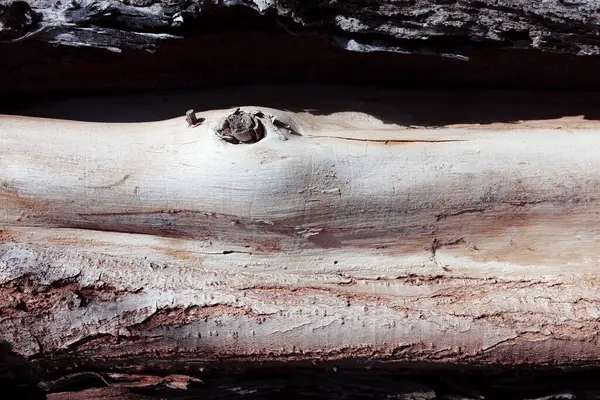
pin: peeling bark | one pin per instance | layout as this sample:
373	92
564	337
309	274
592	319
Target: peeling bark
444	28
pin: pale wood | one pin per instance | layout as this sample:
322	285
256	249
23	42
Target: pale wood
129	242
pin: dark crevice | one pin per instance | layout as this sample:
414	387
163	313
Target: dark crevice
338	379
238	46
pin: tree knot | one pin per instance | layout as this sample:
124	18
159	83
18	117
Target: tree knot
240	127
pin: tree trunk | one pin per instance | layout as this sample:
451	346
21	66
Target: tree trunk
324	237
430	26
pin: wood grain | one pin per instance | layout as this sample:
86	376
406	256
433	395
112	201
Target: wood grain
125	243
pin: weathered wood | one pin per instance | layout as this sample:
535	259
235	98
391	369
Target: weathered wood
446	28
340	237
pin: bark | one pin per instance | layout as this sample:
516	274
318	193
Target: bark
429	26
332	237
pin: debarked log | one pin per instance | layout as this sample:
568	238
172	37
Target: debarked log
259	234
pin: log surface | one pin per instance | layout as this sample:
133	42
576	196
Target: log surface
122	244
428	26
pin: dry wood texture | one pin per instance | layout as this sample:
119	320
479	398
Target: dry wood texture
125	243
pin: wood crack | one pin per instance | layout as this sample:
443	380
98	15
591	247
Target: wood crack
386	141
112	185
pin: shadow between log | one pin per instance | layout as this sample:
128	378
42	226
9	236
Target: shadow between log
409	108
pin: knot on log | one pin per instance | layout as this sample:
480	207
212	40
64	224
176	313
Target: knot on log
240	127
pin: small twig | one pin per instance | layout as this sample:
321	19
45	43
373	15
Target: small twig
70	380
192	119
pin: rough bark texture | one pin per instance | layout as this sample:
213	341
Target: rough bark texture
428	26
